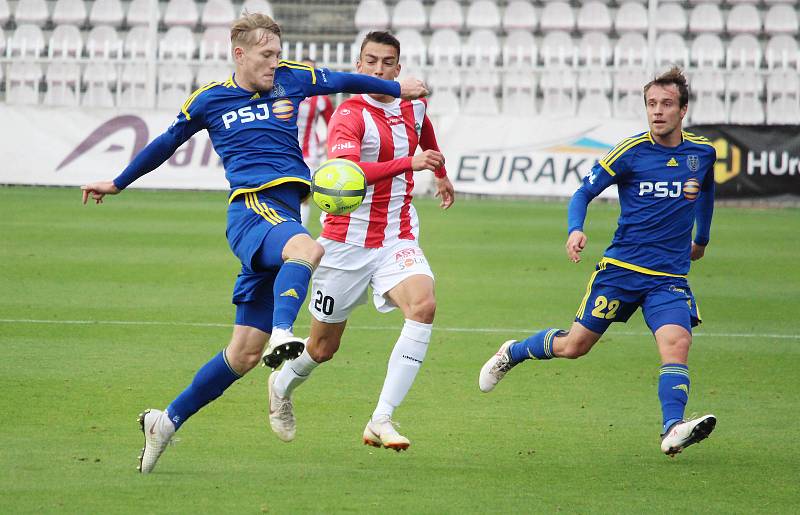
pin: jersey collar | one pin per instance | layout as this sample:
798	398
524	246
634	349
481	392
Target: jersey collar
371	101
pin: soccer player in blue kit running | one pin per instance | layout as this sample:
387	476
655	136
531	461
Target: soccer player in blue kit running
665	179
251	120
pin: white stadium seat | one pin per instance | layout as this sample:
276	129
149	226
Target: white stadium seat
707	108
558	79
171	99
706	18
519	103
444	46
782	51
671	49
23	83
483	14
27	40
258	6
215	43
557	104
783	110
31	11
217	13
745	82
103	41
557	47
627	80
708	81
557	16
65	41
174	85
97	95
784	82
412	47
744	52
747	109
519	15
134	96
594	80
594	16
60	94
444	103
213	73
133	74
69	73
485	79
181	13
481	102
781	19
2	48
482	47
100	73
106	12
630	50
445	78
409	14
519	48
594	48
631	17
71	12
177	43
707	50
518	80
446	14
670	18
629	107
138	42
139	13
372	14
5	12
744	19
594	105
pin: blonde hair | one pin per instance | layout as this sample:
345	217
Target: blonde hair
251	28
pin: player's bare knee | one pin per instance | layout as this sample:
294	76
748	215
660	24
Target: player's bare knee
423	310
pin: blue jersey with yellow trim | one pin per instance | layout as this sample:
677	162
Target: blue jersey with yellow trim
658	194
255	133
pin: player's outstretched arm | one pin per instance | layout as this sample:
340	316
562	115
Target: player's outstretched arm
98	190
576	242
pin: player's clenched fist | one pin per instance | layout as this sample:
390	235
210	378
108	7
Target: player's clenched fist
411	88
427	160
98	190
576	242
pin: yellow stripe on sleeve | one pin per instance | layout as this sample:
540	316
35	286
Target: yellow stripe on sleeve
193	96
300	66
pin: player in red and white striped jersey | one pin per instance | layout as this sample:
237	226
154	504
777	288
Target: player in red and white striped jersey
309	112
376	245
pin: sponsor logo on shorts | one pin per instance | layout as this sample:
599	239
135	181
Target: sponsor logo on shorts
406	258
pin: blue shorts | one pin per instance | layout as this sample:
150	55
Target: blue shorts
259	225
614	293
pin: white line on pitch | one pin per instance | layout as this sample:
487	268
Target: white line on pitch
488	330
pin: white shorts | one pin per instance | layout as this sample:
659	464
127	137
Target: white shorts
340	282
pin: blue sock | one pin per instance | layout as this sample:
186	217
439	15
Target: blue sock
208	384
673	392
291	286
538	346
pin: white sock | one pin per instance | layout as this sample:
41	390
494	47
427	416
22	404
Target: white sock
293	374
305	213
404	363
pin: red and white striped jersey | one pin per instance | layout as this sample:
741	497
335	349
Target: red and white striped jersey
365	130
308	112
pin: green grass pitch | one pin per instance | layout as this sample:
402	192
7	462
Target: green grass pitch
107	310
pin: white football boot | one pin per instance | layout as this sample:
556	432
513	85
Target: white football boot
282	347
382	432
683	434
158	432
281	412
496	368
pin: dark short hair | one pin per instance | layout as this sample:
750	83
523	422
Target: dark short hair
672	76
382	37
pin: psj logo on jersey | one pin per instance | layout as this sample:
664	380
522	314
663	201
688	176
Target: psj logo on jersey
663	189
246	115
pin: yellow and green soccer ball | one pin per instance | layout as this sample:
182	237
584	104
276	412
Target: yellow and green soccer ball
338	186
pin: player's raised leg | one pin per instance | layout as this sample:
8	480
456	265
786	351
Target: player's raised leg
546	344
673	392
300	256
213	378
